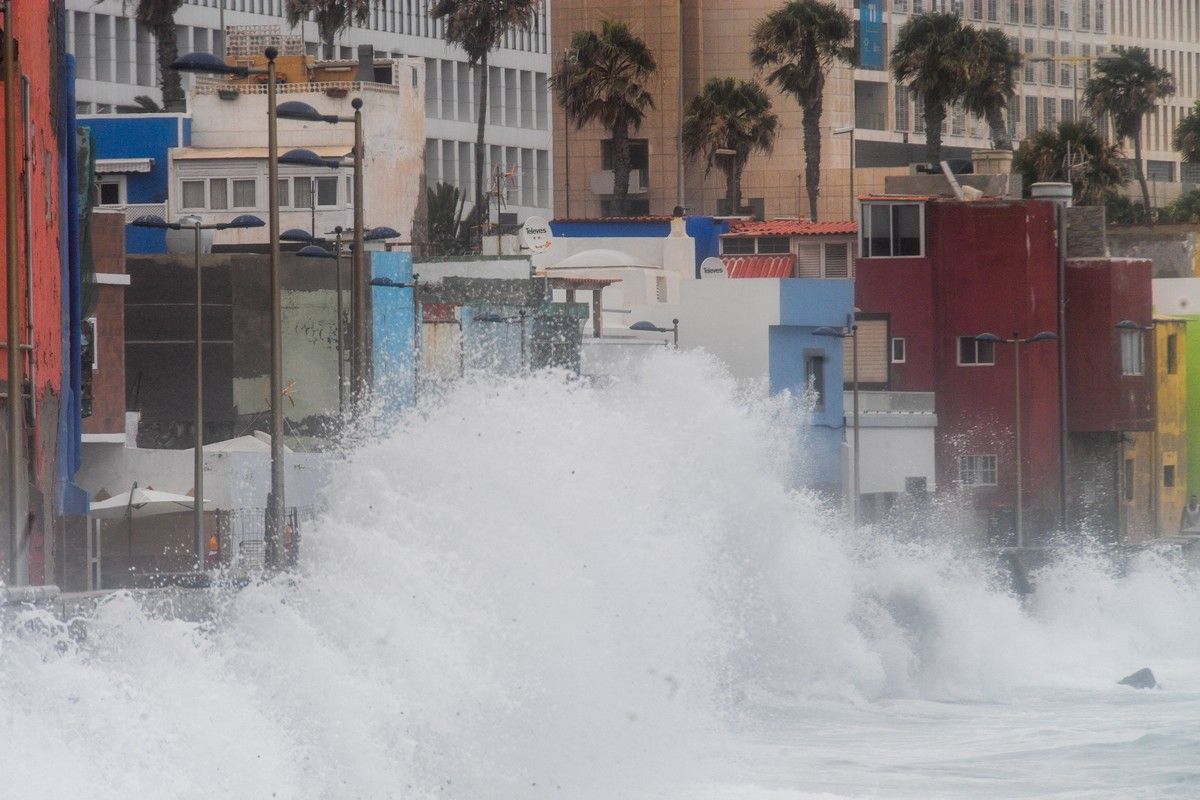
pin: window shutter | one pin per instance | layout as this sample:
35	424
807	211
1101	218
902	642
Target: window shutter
808	261
837	260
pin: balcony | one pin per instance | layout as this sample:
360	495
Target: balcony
602	182
893	409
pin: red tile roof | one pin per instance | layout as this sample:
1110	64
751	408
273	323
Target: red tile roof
793	227
644	218
780	266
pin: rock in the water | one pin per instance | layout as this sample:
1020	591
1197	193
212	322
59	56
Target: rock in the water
1142	679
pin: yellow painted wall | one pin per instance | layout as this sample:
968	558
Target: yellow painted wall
1172	430
1135	501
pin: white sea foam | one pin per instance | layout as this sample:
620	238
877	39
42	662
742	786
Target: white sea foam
539	588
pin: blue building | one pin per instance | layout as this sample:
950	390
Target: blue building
131	167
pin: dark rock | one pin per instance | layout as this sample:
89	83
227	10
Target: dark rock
1142	679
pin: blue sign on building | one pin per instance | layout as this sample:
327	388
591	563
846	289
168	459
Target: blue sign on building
870	34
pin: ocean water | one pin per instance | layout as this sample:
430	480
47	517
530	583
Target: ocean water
540	588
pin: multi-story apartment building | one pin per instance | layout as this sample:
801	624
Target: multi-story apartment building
116	63
692	41
1056	38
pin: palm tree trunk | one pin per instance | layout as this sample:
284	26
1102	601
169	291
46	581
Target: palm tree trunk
812	151
479	146
935	118
1141	175
620	148
733	189
995	121
167	50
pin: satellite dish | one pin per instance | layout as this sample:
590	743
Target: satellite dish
713	267
535	235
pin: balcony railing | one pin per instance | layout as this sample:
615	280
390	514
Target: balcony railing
891	402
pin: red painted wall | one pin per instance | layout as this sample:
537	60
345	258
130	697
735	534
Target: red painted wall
989	267
1103	292
35	31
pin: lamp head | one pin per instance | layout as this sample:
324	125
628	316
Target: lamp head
314	251
208	64
356	103
1130	325
243	221
1044	336
825	330
382	232
301	157
154	221
988	337
296	235
644	325
295	109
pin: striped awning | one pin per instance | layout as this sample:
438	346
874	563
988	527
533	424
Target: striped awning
121	165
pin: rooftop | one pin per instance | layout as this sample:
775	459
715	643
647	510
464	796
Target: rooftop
793	227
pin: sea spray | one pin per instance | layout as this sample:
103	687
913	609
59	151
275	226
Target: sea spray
538	587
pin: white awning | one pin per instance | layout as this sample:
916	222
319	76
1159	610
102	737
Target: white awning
198	153
118	165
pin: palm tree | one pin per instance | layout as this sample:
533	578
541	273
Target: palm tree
478	27
1073	152
332	16
934	54
602	78
799	43
1128	87
1186	138
728	121
159	17
992	81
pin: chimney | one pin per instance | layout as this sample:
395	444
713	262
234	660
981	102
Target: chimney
366	64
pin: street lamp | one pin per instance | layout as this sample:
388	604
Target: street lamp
644	325
849	332
212	65
360	298
841	132
1016	341
243	221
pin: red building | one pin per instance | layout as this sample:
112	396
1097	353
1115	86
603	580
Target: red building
943	271
47	289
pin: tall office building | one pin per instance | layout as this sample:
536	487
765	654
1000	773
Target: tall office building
116	63
692	41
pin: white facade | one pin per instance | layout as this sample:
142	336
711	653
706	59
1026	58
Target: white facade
115	63
896	437
219	177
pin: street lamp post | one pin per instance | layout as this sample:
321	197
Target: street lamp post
210	64
651	327
850	332
243	221
360	298
1016	341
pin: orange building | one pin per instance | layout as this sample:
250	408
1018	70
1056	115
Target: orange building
42	118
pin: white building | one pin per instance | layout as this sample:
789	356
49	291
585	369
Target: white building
220	177
115	63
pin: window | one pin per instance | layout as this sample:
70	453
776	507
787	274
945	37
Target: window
110	191
244	194
1085	14
639	159
282	186
1168	476
1128	480
1014	11
892	229
327	189
974	353
193	194
1048	17
1163	171
1172	354
898	350
218	194
837	260
773	244
1132	352
814	378
660	289
918	485
737	246
304	192
977	470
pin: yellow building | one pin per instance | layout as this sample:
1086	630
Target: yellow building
1170	344
692	41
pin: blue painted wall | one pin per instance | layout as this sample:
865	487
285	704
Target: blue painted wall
393	320
141	136
804	305
705	230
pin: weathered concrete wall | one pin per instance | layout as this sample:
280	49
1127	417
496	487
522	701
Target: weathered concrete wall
1172	248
